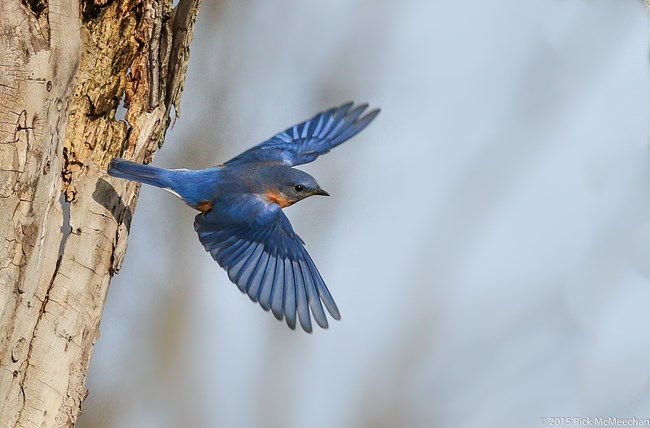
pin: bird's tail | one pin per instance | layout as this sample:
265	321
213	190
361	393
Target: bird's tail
122	168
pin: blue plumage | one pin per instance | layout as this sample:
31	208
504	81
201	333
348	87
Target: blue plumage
192	186
241	223
147	174
304	142
265	258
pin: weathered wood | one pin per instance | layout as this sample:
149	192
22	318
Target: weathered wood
64	68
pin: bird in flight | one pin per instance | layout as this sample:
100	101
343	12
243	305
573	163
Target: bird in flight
241	223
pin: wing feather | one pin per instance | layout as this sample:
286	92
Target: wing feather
266	287
266	259
303	309
253	285
304	142
312	296
279	283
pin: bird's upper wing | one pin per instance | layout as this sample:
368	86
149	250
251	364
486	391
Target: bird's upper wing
304	142
254	241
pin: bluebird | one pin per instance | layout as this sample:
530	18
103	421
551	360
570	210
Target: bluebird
241	222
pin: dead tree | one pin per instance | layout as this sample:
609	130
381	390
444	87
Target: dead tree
65	68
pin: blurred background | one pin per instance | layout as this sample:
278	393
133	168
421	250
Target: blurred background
487	239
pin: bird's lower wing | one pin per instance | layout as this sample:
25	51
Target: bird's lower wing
257	246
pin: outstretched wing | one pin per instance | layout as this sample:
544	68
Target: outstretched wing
254	241
304	142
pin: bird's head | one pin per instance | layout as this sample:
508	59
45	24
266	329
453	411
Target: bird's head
293	185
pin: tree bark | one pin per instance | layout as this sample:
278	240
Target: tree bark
65	66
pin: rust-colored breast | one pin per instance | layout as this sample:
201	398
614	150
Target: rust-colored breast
204	206
278	198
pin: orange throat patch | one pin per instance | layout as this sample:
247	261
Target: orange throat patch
278	198
204	206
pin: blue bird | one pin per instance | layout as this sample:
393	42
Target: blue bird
241	223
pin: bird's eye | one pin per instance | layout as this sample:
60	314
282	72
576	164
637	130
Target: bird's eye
298	188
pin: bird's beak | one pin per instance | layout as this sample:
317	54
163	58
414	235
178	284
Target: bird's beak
321	192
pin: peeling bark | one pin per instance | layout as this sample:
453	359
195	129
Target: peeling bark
65	66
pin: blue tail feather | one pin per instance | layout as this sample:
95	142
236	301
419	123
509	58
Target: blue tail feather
122	168
192	186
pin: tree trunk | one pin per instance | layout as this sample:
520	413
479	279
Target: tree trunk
65	66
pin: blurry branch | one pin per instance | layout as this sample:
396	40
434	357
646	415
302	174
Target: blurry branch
68	70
